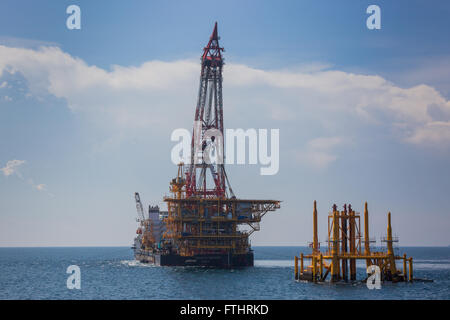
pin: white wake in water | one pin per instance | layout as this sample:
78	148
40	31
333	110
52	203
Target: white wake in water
135	263
274	263
419	264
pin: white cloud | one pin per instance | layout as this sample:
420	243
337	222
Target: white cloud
349	92
127	96
325	143
12	167
432	70
150	95
40	187
320	152
433	133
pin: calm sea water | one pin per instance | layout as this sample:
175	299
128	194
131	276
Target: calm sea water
112	273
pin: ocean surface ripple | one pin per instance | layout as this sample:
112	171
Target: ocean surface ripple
112	273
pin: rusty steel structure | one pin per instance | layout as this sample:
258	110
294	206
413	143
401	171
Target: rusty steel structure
347	243
210	225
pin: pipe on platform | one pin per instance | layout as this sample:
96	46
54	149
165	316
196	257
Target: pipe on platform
366	235
390	248
410	269
405	273
352	245
315	239
344	241
335	250
321	267
301	263
314	268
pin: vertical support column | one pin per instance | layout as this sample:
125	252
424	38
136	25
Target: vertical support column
366	235
410	269
315	238
321	267
296	268
352	244
405	273
314	268
335	250
344	242
390	248
301	263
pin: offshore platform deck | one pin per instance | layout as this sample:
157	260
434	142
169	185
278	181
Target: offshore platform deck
346	245
205	224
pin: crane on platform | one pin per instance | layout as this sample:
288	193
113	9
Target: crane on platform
139	207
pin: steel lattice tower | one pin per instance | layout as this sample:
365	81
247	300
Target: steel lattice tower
208	128
206	225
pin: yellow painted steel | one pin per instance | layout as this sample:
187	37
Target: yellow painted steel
410	269
352	244
344	237
344	227
404	268
321	266
366	235
390	247
301	263
210	225
315	236
314	270
335	248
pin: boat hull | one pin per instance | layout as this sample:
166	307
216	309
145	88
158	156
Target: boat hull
209	260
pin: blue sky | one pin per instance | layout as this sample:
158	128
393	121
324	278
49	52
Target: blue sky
363	114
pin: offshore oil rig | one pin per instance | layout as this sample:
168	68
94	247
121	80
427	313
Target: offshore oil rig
205	224
345	247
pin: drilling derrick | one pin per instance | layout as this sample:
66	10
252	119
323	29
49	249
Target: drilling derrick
207	134
206	224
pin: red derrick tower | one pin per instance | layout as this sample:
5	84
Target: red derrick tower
207	147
